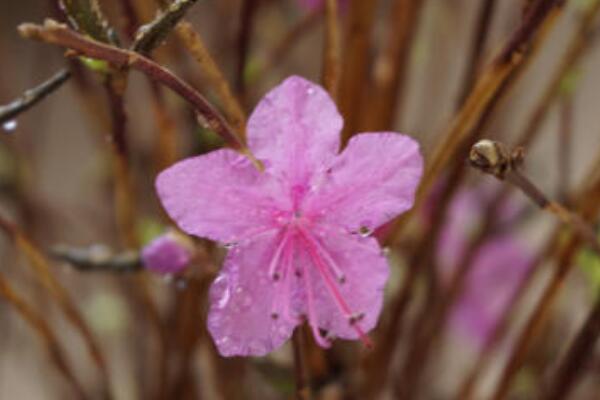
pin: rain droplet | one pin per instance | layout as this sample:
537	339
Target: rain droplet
365	231
229	245
310	90
10	126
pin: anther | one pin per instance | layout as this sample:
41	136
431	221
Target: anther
274	315
353	319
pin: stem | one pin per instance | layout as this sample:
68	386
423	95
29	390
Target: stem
331	50
577	358
541	16
45	333
484	20
391	66
32	96
43	274
356	62
249	8
151	35
55	33
216	79
565	136
303	391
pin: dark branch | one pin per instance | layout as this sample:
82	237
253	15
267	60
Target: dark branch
97	258
151	35
59	34
32	96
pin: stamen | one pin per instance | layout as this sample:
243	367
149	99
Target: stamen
321	341
333	290
341	277
273	272
282	292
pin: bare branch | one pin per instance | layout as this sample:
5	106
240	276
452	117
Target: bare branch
32	96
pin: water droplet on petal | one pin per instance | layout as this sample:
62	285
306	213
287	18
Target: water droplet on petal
365	231
10	126
229	245
310	91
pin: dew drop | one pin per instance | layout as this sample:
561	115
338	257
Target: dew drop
365	231
229	245
10	126
310	91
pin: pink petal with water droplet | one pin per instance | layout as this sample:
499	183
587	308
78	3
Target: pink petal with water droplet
295	130
242	300
220	196
372	181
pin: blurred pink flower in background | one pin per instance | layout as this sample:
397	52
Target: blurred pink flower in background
498	268
167	254
298	233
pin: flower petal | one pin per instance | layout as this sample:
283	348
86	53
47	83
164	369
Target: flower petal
242	299
372	181
365	272
295	130
219	195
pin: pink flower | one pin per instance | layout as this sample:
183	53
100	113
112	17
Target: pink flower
499	266
166	254
293	230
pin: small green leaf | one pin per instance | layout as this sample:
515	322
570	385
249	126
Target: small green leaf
95	65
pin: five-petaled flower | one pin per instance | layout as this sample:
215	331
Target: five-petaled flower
295	232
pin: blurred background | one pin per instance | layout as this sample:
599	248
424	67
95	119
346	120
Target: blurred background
57	187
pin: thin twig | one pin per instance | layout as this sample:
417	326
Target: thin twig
486	90
86	17
303	391
565	136
576	359
589	208
391	66
361	16
41	267
198	50
150	36
331	50
59	34
484	20
98	258
32	96
249	8
496	159
45	333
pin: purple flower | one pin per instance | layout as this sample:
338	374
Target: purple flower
498	267
294	231
167	254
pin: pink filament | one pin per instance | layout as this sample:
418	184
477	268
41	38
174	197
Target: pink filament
331	286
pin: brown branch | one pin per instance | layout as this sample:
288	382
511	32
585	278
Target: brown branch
496	159
391	66
331	50
33	96
589	208
361	16
249	8
43	274
198	50
86	17
303	391
565	140
477	48
45	333
98	258
55	33
485	91
151	35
